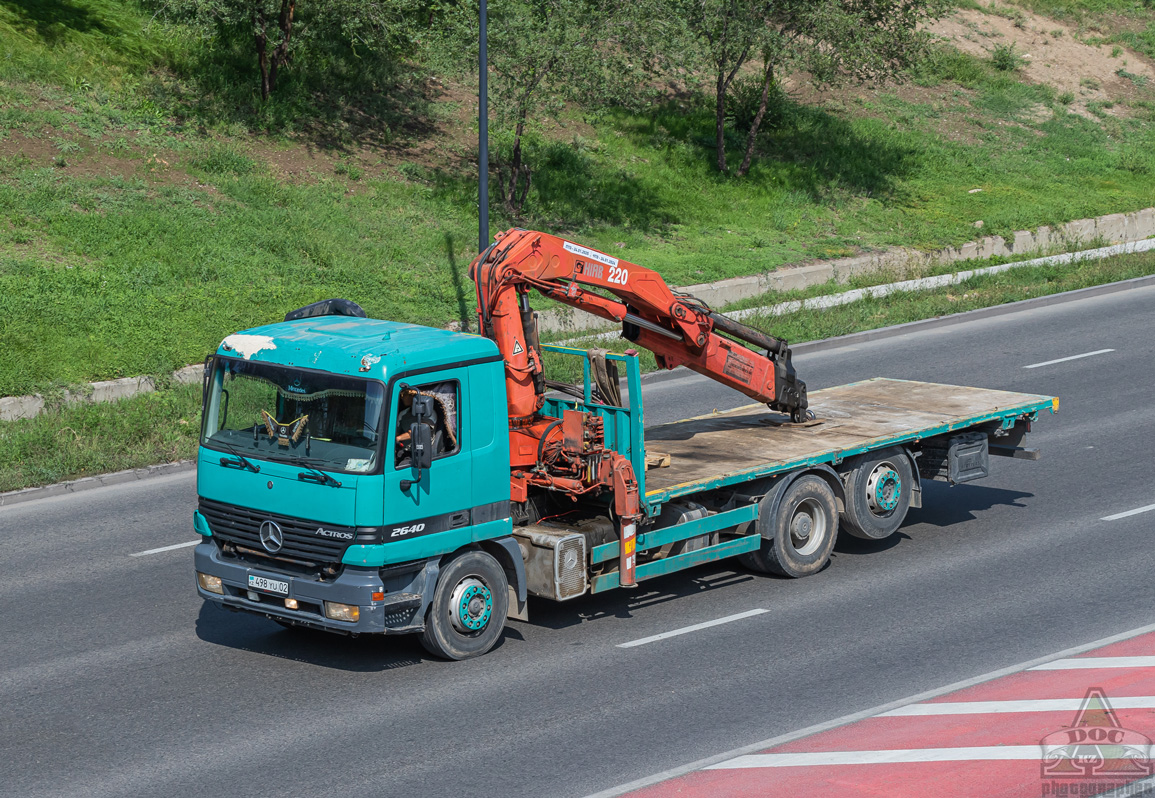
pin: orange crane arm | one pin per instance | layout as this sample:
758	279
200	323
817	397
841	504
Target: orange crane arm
677	328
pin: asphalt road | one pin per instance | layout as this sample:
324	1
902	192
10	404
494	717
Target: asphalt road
114	680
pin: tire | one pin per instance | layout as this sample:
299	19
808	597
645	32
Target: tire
878	494
798	539
467	614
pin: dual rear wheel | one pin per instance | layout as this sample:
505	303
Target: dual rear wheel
799	529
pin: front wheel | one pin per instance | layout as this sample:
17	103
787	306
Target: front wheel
798	539
469	606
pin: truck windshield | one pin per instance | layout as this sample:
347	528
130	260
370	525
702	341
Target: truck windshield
312	419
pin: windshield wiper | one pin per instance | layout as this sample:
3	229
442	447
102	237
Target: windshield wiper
244	462
317	475
310	473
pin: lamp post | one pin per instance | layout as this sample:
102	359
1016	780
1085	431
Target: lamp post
483	138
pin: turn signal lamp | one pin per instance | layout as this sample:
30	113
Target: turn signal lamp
212	584
342	612
379	596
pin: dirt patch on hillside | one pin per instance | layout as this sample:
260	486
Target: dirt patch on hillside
1052	54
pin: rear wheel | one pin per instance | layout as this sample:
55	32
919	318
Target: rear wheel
878	493
469	606
798	539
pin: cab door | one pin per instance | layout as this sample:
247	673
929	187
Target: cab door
438	499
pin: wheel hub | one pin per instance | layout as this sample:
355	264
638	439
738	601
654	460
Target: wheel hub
808	527
472	605
802	526
883	489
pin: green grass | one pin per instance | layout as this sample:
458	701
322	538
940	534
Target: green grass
146	271
82	44
141	218
80	440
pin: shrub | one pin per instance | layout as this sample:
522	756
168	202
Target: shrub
220	159
1006	57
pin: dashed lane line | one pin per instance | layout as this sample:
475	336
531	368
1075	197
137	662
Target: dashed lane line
1129	513
165	548
1065	359
687	629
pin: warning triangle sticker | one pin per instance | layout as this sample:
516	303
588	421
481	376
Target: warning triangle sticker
517	350
1096	710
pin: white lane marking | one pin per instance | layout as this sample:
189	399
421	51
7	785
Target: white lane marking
1129	513
165	548
1065	359
687	629
762	745
1002	707
819	758
1079	663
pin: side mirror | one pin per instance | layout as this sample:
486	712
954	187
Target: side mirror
421	442
423	408
420	451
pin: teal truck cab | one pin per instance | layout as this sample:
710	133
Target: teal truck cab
311	510
371	477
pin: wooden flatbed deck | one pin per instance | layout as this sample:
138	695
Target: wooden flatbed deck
724	448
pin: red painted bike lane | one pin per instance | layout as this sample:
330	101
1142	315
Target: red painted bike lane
1076	726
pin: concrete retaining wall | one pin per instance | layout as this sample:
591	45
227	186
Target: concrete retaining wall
1115	228
17	407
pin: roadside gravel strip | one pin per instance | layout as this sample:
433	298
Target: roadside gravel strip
131	475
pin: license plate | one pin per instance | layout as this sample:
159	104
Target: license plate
271	585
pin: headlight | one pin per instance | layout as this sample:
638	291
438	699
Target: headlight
210	583
342	612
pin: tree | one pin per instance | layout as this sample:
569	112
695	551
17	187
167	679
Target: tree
542	54
858	40
278	30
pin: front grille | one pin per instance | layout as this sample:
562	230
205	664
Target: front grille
241	526
571	567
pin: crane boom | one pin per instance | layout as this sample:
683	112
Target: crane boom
679	329
568	455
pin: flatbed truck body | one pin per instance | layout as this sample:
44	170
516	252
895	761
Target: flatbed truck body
314	525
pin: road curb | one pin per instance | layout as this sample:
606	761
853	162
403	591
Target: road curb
821	345
98	481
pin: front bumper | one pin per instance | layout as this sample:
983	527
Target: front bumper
401	611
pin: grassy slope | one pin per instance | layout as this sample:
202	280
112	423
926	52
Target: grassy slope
131	240
81	440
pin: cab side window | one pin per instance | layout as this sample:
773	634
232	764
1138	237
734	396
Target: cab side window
445	421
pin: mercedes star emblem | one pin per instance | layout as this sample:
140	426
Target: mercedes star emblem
272	537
